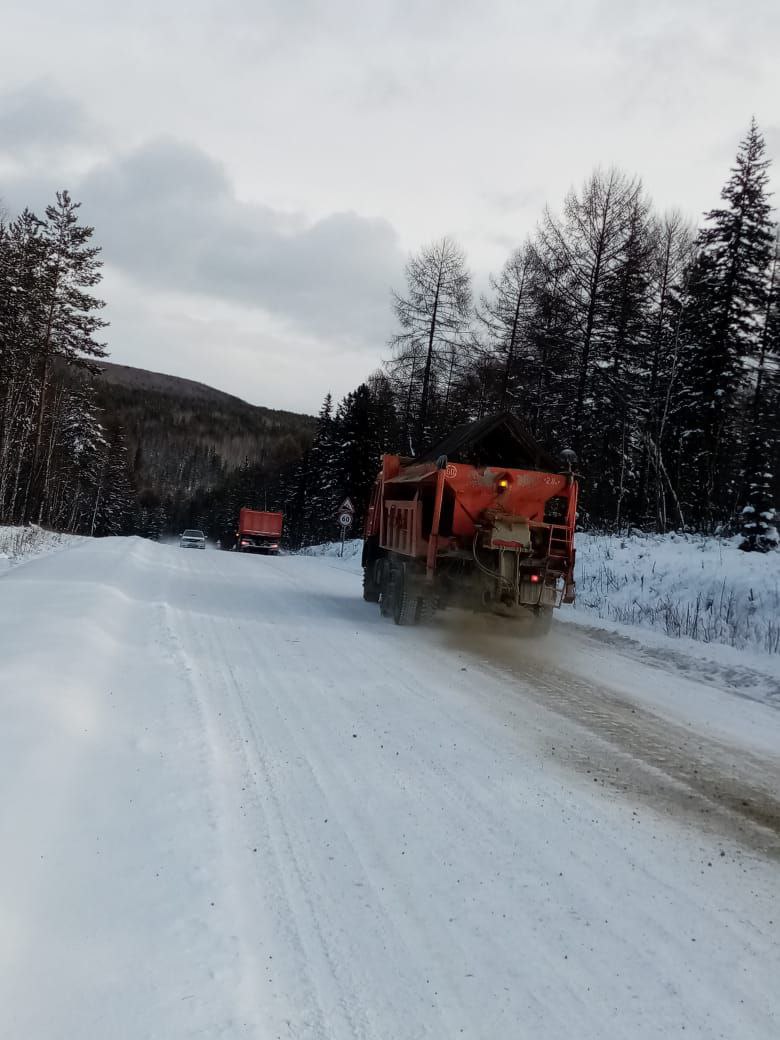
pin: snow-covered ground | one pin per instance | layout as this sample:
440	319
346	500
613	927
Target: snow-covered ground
238	803
18	544
689	586
699	602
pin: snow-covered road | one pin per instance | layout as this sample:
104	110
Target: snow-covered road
234	802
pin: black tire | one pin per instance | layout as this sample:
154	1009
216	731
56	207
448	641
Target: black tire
371	589
405	606
386	588
425	609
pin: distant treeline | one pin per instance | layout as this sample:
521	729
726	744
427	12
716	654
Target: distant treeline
342	460
186	440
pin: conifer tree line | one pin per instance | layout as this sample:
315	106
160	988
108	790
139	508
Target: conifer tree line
60	465
342	461
649	347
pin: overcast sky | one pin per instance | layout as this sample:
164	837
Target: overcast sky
258	170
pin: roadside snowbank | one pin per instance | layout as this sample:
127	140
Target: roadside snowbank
353	547
18	544
688	587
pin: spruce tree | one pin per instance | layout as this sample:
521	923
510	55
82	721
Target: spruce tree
759	515
320	491
22	254
365	429
69	318
725	303
546	404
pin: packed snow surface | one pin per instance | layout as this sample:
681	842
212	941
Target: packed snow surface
238	803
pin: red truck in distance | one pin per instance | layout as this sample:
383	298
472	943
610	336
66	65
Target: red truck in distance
259	531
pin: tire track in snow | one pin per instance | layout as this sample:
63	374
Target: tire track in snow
289	728
638	752
256	751
330	777
477	823
300	1013
247	756
432	783
556	896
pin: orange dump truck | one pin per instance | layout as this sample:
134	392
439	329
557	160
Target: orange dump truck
485	519
259	531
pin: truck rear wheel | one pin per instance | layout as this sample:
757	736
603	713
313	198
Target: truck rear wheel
405	605
371	588
384	575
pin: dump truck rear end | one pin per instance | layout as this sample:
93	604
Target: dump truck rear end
489	537
259	531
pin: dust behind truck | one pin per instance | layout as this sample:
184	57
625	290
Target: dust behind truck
484	519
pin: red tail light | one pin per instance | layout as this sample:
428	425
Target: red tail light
534	578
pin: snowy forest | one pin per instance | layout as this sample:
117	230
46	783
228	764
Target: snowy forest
60	466
647	346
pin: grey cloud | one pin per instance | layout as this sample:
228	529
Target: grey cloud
772	137
532	198
167	215
37	118
382	87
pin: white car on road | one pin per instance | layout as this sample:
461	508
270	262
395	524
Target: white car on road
192	540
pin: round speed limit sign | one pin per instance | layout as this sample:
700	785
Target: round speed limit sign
345	519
